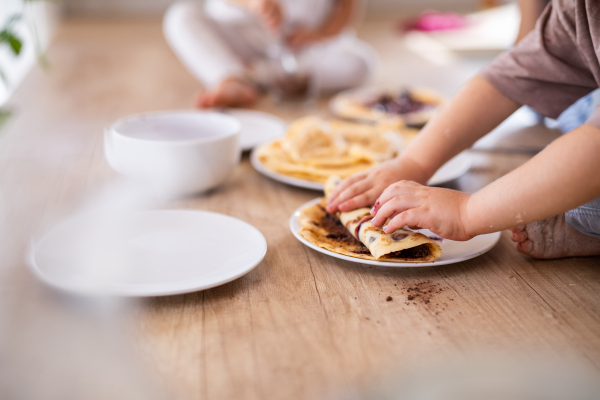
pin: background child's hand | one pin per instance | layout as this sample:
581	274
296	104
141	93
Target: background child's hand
302	37
442	211
269	11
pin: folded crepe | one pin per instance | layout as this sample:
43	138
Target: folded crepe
352	233
313	149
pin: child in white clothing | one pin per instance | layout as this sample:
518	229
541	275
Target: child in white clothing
221	42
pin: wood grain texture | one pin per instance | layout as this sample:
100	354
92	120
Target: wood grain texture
301	325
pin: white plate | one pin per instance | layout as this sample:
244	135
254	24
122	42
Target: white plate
452	252
147	253
453	169
366	94
257	127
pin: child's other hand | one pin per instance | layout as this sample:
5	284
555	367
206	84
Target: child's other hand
363	188
442	211
269	11
302	37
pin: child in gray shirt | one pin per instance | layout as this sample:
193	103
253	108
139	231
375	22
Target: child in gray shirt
551	203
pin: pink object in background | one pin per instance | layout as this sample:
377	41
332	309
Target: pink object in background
430	21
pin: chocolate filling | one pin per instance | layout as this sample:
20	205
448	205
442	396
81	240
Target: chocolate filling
338	232
402	103
414	252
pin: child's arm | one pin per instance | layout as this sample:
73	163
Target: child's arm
474	111
342	13
563	176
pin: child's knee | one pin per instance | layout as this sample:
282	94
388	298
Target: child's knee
181	15
349	70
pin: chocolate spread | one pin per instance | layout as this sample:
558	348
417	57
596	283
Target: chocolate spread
338	232
403	103
414	252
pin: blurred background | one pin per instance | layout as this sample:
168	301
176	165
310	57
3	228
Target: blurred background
38	21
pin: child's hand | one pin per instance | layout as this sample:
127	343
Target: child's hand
302	37
442	211
269	11
363	188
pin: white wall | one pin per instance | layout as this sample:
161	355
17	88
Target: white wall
39	22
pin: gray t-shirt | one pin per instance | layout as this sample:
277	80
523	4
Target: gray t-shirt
557	63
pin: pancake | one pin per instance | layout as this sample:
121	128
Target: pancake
314	149
414	107
328	232
353	234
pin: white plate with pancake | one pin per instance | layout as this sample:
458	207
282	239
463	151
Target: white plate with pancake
453	169
452	251
257	127
352	104
147	253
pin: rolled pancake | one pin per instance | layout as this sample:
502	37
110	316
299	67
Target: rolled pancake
326	231
400	246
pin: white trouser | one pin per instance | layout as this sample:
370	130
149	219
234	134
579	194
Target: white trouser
214	47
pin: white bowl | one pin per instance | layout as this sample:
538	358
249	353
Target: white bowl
175	153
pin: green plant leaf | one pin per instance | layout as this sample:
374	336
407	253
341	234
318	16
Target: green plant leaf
6	36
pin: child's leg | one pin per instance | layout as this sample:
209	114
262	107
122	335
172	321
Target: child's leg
574	233
560	236
344	63
201	47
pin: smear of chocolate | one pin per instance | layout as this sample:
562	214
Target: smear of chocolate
414	252
402	103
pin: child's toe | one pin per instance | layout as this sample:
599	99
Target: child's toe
518	229
518	236
525	246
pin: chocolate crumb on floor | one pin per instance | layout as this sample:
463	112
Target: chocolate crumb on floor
423	292
389	298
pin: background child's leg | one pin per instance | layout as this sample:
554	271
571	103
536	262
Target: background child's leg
586	219
196	40
341	64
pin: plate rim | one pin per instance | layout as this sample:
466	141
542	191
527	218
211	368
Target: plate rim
294	219
301	183
232	111
289	180
146	290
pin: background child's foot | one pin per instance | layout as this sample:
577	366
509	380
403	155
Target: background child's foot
554	238
231	92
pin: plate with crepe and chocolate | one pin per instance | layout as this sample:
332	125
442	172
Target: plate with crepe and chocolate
414	107
351	236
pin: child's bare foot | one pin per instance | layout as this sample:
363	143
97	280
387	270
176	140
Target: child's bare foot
554	238
231	92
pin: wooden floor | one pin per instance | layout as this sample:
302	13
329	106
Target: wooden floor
301	325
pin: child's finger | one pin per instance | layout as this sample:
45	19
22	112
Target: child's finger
408	217
394	207
396	189
343	185
362	200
